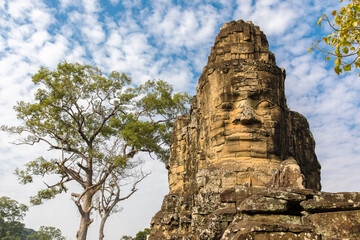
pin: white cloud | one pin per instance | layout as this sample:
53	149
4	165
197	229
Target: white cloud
91	6
130	3
114	2
90	28
52	53
244	9
273	16
177	27
41	19
76	54
2	44
171	42
94	33
38	39
115	39
19	9
64	4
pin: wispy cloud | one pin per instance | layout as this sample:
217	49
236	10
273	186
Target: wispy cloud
170	41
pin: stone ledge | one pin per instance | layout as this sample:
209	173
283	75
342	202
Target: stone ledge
327	202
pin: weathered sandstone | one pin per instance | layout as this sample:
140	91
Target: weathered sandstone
242	165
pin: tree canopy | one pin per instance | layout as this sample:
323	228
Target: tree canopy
11	227
141	235
97	123
46	233
344	41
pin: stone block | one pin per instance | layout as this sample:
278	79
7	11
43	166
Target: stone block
262	204
336	225
324	202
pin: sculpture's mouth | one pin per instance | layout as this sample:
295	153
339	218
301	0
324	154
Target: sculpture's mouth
236	137
245	134
251	143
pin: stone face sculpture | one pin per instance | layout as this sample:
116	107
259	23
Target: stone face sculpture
239	148
239	120
243	104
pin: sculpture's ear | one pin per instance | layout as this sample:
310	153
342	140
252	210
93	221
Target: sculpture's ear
288	175
301	146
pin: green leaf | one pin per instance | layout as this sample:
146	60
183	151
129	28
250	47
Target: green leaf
337	70
346	43
345	50
337	50
328	58
327	40
347	67
337	20
337	62
320	19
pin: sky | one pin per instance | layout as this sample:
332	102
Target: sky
168	40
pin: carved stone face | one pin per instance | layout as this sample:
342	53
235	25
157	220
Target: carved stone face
253	129
247	124
250	112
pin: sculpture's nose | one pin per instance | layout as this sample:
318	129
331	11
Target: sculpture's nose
247	116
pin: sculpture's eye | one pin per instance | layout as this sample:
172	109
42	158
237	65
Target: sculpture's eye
254	95
265	104
226	106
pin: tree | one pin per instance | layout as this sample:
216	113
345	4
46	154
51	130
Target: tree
11	213
110	196
344	41
11	210
125	237
46	233
141	235
82	113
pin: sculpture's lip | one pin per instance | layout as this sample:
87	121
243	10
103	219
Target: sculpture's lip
242	137
250	153
249	134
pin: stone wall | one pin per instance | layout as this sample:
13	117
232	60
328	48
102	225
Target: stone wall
242	165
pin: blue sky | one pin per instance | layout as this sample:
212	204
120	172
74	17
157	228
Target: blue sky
169	40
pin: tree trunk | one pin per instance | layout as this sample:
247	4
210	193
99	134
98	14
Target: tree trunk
83	228
102	225
85	217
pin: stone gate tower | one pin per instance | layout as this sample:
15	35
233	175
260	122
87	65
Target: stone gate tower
239	142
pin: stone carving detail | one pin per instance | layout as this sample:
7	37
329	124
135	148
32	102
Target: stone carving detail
242	165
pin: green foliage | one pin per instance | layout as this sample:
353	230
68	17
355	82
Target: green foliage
45	194
46	233
125	237
11	210
141	235
13	231
39	167
81	112
345	38
97	123
11	213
